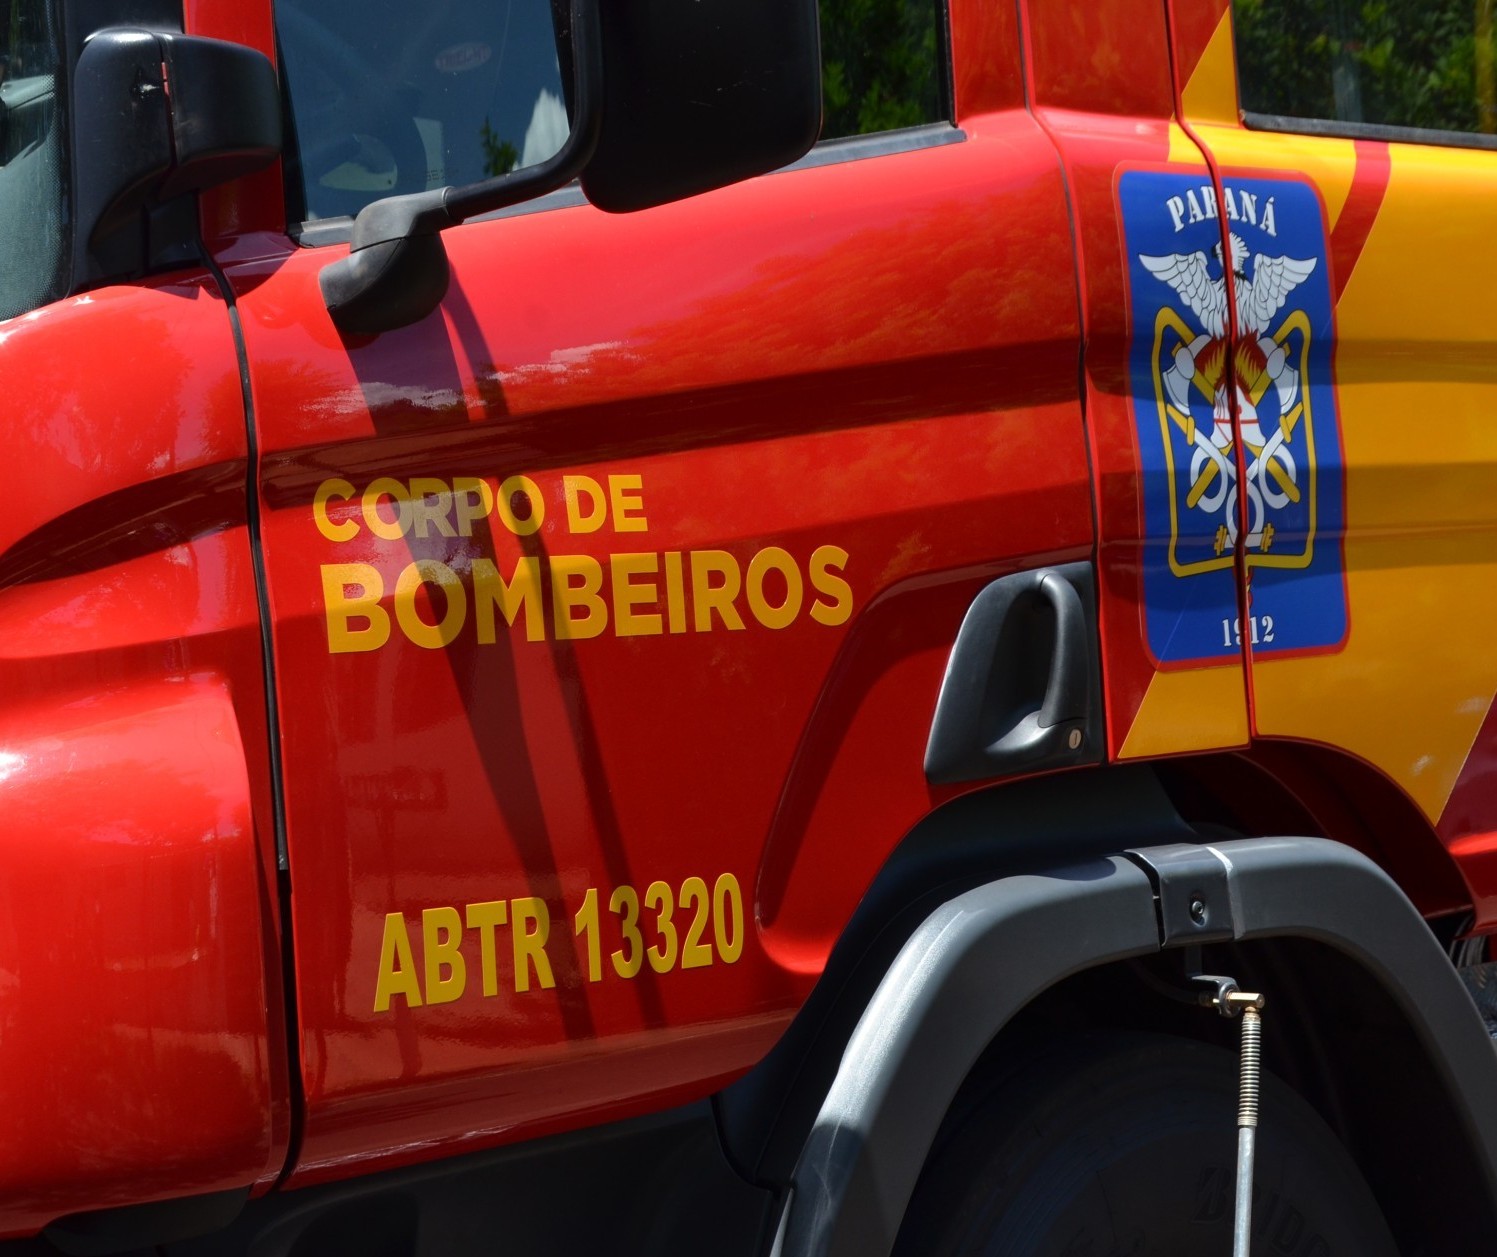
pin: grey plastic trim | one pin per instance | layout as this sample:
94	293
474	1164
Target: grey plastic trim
1028	826
1192	886
320	232
1311	888
989	721
980	957
970	966
1386	132
879	144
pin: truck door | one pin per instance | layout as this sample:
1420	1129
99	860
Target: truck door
1358	187
610	602
1100	85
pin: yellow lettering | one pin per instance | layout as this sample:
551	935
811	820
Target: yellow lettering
727	918
625	495
575	582
629	958
464	490
662	956
344	530
484	917
397	967
454	610
441	937
523	589
522	487
529	929
675	593
694	953
627	622
384	487
707	597
342	608
580	518
830	585
430	501
774	559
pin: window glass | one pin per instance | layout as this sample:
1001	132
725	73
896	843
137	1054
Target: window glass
388	97
881	66
33	240
1389	63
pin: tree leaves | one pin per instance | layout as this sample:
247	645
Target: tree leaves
879	65
1404	63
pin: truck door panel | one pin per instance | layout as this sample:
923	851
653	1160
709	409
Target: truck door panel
1171	686
1410	686
563	577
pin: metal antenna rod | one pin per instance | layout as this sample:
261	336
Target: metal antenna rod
1247	1126
1229	999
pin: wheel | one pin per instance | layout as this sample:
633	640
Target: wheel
1127	1147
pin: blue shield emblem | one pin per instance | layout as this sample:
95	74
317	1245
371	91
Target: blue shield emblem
1270	488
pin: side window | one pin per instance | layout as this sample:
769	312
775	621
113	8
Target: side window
882	65
388	97
33	237
1415	64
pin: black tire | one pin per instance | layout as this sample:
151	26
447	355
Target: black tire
1127	1147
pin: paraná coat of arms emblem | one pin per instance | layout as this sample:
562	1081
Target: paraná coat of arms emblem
1263	485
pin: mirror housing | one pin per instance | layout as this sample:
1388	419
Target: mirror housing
157	115
698	94
668	98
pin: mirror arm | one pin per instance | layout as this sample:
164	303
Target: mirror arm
587	126
396	272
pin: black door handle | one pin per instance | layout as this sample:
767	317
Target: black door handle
1022	689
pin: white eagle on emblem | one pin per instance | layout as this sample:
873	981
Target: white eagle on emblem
1259	362
1258	300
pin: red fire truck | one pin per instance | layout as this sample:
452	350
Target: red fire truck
739	727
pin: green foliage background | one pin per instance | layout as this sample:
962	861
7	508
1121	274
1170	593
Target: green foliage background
879	62
1419	63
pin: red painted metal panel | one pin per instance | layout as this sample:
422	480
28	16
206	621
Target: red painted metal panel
1108	58
987	74
862	373
139	998
1107	117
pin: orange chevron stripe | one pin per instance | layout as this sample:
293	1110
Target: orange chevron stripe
1368	187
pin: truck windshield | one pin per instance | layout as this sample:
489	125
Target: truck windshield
33	237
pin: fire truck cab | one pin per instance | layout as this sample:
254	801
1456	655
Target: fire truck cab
684	629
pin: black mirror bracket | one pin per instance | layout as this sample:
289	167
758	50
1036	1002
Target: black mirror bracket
396	271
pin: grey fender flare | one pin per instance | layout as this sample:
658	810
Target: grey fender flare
980	957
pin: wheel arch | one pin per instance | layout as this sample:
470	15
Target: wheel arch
1007	828
976	957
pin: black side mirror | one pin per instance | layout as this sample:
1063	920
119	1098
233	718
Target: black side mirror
157	115
668	98
698	94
